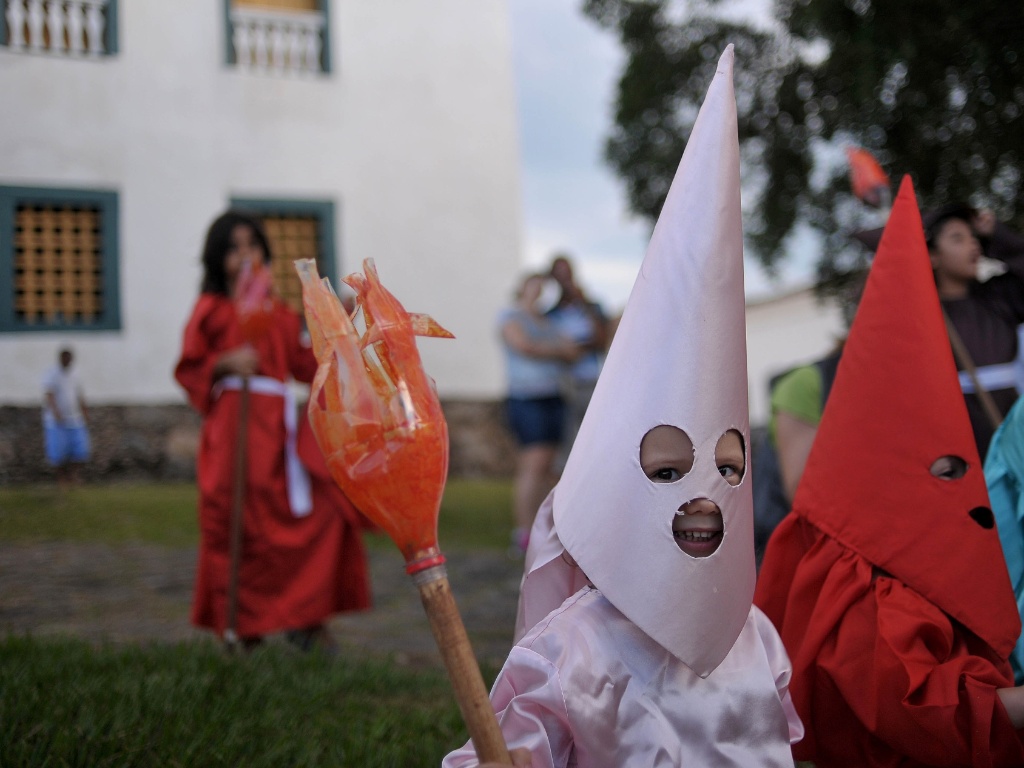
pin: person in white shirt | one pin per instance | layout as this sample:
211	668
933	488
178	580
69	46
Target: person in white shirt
66	434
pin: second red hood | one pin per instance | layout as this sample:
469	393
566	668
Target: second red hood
896	407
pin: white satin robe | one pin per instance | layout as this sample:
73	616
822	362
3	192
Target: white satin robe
586	687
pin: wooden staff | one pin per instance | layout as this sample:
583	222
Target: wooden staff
963	359
231	637
463	671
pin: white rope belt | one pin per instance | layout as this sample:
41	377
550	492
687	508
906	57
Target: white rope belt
991	378
300	497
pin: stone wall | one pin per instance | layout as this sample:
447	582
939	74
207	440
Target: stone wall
158	442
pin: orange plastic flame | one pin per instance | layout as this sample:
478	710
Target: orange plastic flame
374	410
869	181
253	302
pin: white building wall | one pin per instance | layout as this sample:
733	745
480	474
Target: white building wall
784	331
412	135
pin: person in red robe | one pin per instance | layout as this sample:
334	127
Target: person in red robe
886	582
302	558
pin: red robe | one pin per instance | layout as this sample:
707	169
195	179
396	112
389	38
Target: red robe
295	571
887	581
881	676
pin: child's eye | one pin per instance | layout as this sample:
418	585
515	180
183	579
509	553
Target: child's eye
949	468
731	473
665	475
666	454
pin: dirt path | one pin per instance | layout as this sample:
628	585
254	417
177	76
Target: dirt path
141	593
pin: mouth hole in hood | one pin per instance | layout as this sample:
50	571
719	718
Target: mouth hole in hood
698	528
983	517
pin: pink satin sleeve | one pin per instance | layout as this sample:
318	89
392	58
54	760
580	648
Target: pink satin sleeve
587	685
782	671
531	711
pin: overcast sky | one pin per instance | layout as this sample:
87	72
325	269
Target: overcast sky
566	69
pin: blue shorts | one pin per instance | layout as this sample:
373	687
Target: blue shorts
536	420
64	444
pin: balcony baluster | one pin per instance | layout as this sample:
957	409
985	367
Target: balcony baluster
277	42
57	27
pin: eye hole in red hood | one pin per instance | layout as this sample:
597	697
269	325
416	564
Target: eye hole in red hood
949	468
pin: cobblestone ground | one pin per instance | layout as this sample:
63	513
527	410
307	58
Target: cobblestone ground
141	593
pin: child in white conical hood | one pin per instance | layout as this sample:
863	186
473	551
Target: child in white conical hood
649	652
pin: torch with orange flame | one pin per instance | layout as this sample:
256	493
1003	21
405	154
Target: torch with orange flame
378	420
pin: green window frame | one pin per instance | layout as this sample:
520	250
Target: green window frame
106	276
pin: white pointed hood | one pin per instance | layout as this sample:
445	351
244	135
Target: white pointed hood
678	358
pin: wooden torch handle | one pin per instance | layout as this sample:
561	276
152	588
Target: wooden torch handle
964	360
231	637
468	683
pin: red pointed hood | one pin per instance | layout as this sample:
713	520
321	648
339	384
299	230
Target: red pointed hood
894	409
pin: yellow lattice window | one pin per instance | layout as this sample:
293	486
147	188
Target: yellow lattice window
58	263
291	237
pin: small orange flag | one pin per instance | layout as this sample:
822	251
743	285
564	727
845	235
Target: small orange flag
869	182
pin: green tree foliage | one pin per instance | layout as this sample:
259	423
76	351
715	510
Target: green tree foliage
933	88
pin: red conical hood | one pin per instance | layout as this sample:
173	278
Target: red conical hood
894	409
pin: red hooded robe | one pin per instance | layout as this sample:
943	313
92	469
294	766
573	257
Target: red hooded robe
295	571
886	583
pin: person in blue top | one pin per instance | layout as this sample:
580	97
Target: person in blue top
1004	476
536	354
584	321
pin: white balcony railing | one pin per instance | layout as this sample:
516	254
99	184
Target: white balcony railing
63	27
277	41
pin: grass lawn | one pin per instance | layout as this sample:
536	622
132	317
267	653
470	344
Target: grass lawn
65	703
474	514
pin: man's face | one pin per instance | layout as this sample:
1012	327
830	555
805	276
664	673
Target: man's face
956	252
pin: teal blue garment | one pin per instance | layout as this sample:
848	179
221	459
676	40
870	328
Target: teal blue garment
1004	475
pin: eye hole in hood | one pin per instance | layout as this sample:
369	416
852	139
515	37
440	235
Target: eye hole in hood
948	468
666	454
731	457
